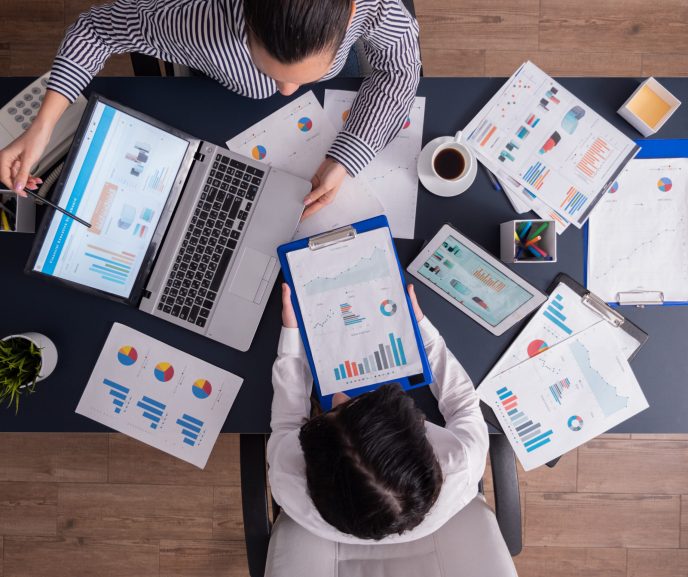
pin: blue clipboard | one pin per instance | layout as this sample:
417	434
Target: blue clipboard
332	237
654	148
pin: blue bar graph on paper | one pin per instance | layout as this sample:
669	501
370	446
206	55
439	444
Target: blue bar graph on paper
191	428
528	431
120	394
555	314
152	410
394	349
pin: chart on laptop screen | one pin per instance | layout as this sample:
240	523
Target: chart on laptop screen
355	312
120	181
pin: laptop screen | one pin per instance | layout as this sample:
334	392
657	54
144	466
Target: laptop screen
119	180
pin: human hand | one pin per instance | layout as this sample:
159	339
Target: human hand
288	314
19	156
326	182
414	303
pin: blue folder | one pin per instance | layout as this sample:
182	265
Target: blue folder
654	148
359	227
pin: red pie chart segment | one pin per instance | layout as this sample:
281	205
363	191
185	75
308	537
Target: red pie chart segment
536	347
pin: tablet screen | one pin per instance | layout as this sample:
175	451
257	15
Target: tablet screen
119	182
471	280
355	313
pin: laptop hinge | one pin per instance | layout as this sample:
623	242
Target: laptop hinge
199	156
147	294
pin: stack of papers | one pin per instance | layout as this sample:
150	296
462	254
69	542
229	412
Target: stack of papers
393	174
564	380
296	139
551	153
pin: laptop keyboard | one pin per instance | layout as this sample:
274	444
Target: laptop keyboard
216	227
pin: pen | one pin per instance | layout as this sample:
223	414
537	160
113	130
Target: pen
493	179
525	229
5	222
58	208
516	238
537	250
533	241
539	230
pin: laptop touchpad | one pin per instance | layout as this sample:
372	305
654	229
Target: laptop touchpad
249	274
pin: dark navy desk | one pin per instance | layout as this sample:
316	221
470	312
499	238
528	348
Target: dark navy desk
79	323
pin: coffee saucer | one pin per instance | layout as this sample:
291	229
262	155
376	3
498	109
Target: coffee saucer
437	185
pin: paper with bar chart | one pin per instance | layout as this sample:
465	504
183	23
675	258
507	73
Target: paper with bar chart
295	139
564	396
120	182
562	316
538	133
355	313
393	173
638	236
159	395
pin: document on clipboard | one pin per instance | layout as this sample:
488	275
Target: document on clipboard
354	314
566	378
637	237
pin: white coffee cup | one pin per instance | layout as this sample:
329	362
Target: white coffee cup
448	184
458	166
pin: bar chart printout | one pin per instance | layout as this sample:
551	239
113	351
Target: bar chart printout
120	394
542	402
355	312
191	428
159	395
152	410
385	356
529	433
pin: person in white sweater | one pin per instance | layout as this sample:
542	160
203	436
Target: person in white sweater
372	470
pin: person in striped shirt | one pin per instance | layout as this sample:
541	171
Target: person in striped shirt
254	48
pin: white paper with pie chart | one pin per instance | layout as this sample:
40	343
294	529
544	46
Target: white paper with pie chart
159	395
638	233
564	395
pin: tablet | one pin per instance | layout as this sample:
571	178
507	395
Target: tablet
476	283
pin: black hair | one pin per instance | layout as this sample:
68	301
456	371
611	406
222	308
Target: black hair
370	469
291	30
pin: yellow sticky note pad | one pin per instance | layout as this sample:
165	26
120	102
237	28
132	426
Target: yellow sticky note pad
649	106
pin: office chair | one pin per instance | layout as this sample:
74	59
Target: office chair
471	544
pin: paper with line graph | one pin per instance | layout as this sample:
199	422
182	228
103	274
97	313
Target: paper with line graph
354	312
638	235
393	173
564	396
538	133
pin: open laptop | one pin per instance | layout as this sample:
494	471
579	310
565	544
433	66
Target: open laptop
184	229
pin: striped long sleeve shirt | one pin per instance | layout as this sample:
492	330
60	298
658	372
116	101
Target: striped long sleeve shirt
211	36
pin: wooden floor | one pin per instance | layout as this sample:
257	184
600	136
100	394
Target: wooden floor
81	505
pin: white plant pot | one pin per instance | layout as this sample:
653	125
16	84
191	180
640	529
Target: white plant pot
48	352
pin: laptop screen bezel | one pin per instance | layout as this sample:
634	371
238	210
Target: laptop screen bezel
157	238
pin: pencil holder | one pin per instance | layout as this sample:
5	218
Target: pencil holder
528	241
17	213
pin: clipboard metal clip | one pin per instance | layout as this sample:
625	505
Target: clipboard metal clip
640	298
597	305
333	237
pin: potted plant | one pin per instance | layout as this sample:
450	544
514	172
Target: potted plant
25	359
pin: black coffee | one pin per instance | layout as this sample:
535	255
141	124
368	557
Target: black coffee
449	163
